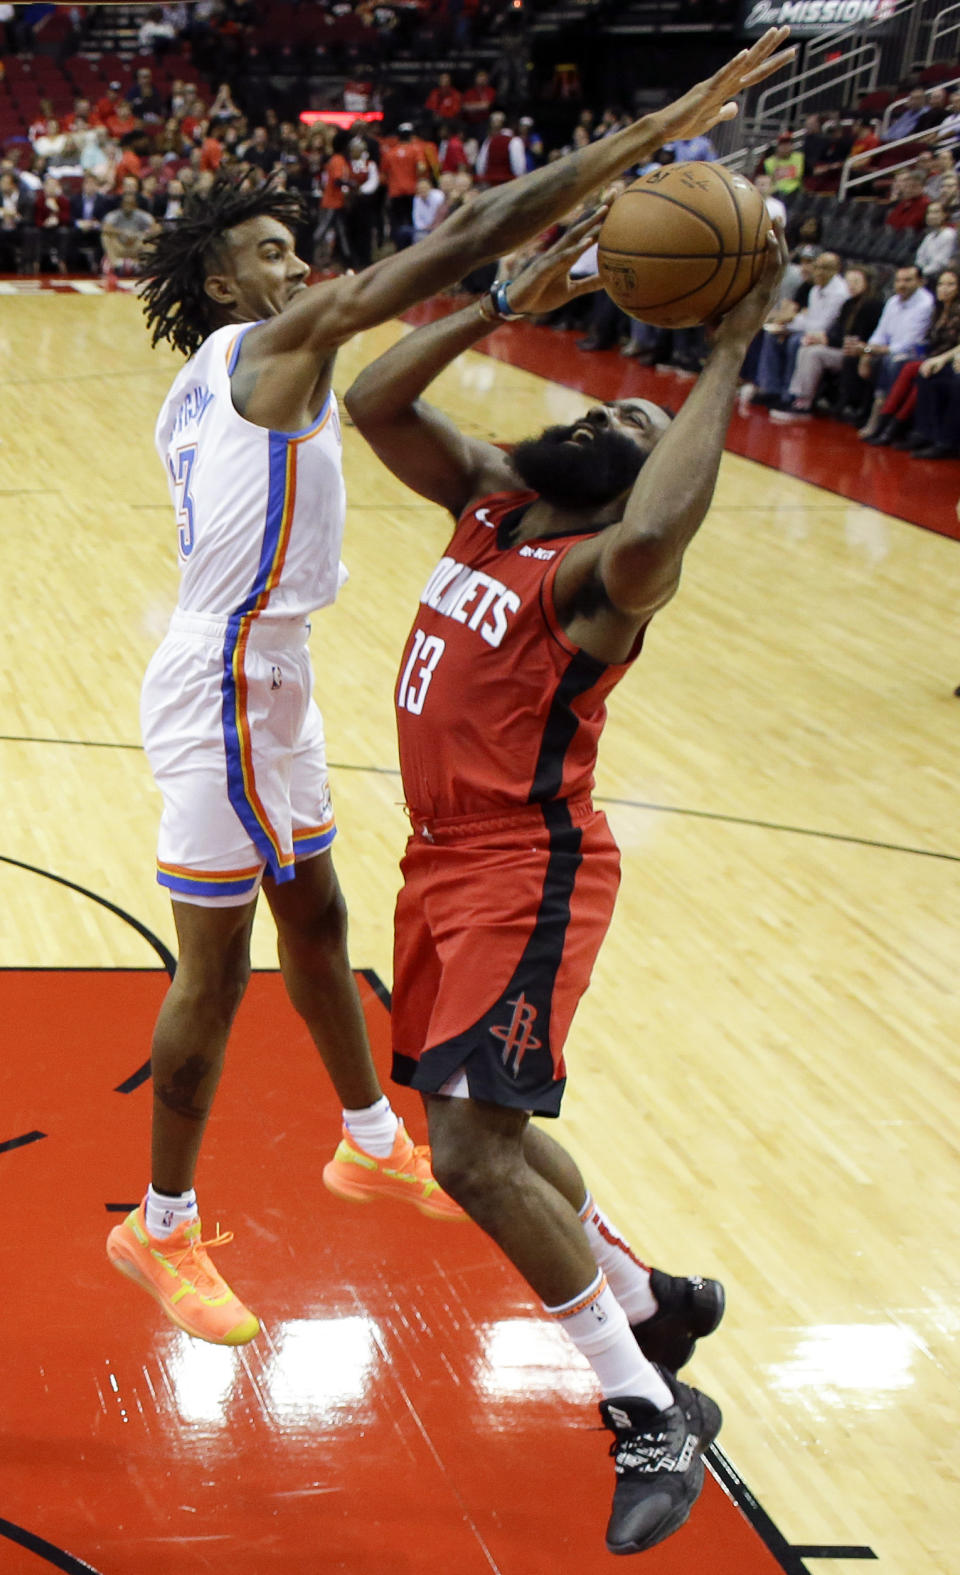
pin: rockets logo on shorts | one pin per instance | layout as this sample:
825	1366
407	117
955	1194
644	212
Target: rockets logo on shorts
517	1035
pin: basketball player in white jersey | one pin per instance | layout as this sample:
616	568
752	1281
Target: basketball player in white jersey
250	439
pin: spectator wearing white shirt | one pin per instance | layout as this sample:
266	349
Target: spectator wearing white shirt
782	341
428	206
900	335
938	245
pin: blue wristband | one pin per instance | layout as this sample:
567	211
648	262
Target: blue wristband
498	295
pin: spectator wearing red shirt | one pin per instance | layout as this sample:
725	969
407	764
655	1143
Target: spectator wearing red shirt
211	152
81	111
502	155
452	154
444	101
910	213
865	139
122	121
129	163
477	100
106	106
400	167
338	187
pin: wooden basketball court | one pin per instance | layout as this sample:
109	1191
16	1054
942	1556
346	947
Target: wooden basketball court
763	1079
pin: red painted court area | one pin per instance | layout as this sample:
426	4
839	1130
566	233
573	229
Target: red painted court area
405	1407
821	451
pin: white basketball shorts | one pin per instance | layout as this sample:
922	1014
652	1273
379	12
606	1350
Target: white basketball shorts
235	743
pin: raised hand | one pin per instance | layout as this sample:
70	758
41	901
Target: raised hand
748	316
545	283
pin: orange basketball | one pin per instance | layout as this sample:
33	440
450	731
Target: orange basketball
683	244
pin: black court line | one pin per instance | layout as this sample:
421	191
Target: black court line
45	1550
163	952
21	1142
598	798
788	1555
818	1552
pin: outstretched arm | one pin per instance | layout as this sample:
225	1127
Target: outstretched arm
308	333
417	442
633	568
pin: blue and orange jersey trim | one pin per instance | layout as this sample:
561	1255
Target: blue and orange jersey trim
241	776
208	883
314	839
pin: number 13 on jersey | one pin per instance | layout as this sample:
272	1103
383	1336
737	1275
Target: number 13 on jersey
426	651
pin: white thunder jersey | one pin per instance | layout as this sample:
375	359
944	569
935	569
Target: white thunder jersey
259	513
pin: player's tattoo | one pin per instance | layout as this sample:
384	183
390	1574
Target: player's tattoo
180	1093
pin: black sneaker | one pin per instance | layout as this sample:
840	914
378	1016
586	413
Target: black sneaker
687	1309
658	1461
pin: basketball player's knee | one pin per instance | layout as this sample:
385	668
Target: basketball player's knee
477	1173
214	992
319	940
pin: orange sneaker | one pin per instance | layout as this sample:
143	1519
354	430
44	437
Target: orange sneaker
177	1272
405	1174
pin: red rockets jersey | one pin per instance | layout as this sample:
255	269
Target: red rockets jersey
496	707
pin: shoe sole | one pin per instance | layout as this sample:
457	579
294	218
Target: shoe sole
355	1194
713	1420
673	1339
131	1272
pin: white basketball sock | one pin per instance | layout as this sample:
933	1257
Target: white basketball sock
629	1279
598	1327
166	1211
375	1128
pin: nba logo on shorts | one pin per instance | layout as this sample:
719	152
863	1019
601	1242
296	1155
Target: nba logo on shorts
276	677
517	1036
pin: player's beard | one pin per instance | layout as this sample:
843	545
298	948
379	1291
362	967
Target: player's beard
578	475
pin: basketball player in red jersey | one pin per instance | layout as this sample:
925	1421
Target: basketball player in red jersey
563	551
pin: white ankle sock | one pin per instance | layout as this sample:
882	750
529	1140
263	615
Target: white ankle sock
165	1211
373	1129
598	1327
629	1279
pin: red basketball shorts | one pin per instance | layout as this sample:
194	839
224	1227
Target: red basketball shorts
497	929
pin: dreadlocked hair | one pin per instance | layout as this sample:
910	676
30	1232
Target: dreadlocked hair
178	261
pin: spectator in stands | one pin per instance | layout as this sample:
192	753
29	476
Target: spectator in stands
451	152
122	121
173	202
99	156
942	165
532	143
936	427
124	231
774	206
834	147
106	105
16	213
223	110
87	209
900	404
785	166
145	102
938	245
443	101
685	149
259	151
864	135
781	345
906	123
854	323
128	163
950	197
49	234
81	113
900	335
401	168
429	206
812	141
949	127
502	156
363	211
156	33
935	112
477	101
330	236
910	211
50	142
